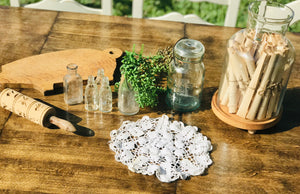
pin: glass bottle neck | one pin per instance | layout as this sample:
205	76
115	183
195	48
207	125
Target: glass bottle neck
72	69
269	17
105	82
72	72
91	80
124	82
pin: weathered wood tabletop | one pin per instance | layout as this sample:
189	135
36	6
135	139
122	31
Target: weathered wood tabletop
38	159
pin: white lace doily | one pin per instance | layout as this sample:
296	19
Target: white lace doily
158	146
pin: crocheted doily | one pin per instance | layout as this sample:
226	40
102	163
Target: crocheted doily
158	146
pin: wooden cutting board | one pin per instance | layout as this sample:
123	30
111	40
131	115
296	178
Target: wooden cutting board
45	72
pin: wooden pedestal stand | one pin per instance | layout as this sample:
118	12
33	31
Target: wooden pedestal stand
234	120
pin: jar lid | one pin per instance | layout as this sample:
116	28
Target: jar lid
189	49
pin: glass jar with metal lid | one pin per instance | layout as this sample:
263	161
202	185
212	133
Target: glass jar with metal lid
186	76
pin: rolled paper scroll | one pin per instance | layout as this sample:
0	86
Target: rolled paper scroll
264	105
250	64
238	68
273	88
233	93
276	83
32	109
243	109
224	88
261	90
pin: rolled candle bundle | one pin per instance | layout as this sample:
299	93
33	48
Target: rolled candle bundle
32	109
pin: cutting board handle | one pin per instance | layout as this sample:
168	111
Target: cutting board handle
113	52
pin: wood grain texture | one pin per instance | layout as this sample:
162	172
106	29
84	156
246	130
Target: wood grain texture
23	32
91	31
38	159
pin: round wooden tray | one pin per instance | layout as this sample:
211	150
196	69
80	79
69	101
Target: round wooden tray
232	119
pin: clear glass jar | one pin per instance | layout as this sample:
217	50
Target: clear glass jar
126	98
73	86
105	96
91	95
258	64
186	76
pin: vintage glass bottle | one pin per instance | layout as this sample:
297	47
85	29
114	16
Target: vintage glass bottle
258	64
100	75
91	95
105	96
73	86
186	76
126	98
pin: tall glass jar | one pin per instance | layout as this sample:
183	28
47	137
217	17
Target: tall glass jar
73	86
126	98
186	76
258	64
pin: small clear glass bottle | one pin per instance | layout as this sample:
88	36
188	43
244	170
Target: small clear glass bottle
100	75
105	96
91	95
186	76
98	81
126	98
73	92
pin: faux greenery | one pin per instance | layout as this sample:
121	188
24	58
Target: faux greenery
146	74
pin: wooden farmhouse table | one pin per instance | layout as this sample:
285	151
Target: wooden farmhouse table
42	160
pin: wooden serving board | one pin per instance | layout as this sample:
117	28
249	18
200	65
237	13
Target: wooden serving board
45	72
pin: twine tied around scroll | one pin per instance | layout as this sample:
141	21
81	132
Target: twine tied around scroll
275	87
